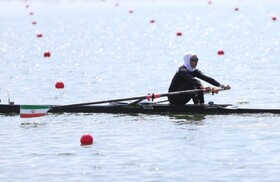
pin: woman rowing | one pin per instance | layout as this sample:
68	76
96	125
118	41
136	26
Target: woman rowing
185	79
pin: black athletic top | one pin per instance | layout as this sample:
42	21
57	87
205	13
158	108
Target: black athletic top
183	79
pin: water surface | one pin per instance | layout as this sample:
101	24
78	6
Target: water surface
101	51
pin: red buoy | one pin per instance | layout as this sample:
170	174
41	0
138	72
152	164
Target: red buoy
59	85
179	34
220	52
152	21
34	22
274	18
236	9
86	139
39	35
47	54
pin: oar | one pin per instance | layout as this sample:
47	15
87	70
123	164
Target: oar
148	97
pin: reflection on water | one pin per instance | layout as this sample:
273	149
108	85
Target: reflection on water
179	119
183	119
28	125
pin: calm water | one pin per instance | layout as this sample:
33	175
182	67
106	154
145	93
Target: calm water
101	51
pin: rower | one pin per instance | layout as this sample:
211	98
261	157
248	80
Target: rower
185	79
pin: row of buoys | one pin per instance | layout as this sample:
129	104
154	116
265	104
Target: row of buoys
274	18
179	34
85	139
46	54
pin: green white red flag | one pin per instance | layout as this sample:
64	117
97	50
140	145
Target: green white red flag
30	111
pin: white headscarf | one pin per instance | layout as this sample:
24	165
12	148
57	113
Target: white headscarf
187	59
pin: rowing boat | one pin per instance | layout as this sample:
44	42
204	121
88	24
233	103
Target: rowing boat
146	108
133	105
159	108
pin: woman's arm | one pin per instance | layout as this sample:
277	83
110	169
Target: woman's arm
208	79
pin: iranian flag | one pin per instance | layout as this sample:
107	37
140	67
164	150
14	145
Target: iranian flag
30	111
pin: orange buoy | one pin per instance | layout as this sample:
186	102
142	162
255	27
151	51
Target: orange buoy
59	85
86	139
220	52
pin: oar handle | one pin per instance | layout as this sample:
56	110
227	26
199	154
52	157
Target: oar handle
153	96
217	90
